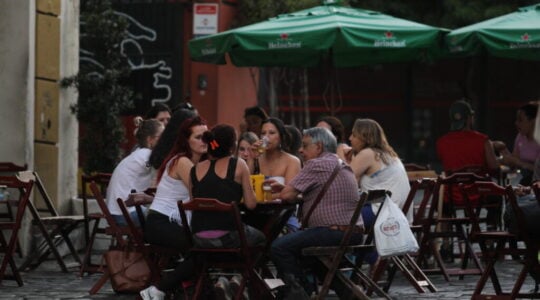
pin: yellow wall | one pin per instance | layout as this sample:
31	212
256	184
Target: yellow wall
46	121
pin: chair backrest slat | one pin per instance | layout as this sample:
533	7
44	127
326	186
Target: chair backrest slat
115	229
7	167
213	205
135	232
484	190
448	184
24	188
426	186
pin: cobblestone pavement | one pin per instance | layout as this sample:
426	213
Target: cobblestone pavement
47	282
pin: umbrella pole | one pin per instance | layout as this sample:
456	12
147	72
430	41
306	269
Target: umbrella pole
272	97
305	95
290	80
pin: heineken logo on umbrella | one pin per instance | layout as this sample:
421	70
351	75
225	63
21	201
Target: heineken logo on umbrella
284	42
209	50
389	40
524	42
455	46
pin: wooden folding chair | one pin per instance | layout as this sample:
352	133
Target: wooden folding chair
405	263
242	258
8	248
9	169
336	262
101	180
55	229
438	226
155	256
491	255
116	232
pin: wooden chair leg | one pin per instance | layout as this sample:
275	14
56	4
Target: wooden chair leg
99	284
86	265
10	212
419	274
8	258
519	281
64	232
378	272
408	275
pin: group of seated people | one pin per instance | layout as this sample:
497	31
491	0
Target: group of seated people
465	148
186	159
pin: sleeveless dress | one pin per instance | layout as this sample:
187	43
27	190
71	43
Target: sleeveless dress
163	224
215	229
392	177
169	191
225	190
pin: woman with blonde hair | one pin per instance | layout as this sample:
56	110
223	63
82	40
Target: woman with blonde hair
246	140
376	165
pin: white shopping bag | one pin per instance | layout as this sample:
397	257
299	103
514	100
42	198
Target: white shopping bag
393	236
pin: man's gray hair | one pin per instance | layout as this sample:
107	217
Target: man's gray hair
323	136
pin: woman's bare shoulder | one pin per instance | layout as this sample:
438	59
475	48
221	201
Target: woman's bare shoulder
365	154
289	158
184	161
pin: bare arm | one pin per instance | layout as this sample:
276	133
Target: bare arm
288	193
491	160
181	170
344	152
247	189
293	168
362	162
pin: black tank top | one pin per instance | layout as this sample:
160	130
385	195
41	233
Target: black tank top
212	186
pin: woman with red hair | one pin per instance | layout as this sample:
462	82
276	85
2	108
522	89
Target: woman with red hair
163	224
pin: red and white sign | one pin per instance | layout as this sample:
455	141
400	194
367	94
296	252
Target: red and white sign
205	18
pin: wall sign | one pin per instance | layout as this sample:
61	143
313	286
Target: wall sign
205	18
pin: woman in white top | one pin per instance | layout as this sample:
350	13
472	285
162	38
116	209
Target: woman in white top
276	162
163	224
377	166
134	172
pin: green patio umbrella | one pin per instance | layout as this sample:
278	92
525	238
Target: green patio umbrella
341	36
515	35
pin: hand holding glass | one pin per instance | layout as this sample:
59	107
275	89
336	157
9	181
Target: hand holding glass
263	145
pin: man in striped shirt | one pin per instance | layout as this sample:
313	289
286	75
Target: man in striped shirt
327	223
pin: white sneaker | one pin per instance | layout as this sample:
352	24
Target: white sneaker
222	289
152	293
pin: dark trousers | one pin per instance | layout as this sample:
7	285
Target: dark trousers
286	252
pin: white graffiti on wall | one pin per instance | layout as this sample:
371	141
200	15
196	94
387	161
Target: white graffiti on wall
136	33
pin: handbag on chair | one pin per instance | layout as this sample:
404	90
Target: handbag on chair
128	270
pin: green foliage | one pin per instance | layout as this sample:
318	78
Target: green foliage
443	13
253	11
100	84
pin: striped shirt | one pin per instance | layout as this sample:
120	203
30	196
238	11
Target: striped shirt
338	203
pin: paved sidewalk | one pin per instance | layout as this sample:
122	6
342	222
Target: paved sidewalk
46	282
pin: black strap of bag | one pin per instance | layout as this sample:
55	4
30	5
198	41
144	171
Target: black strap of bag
321	194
